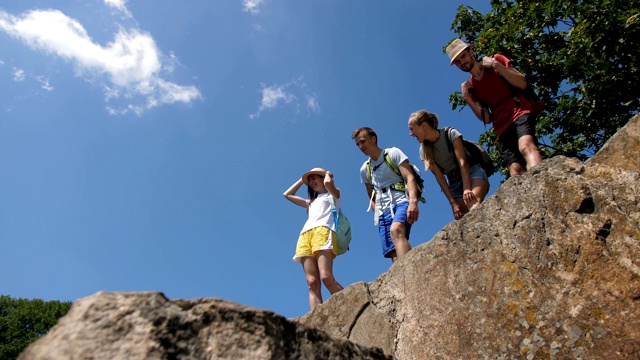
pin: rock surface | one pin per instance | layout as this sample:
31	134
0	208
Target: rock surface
547	268
149	326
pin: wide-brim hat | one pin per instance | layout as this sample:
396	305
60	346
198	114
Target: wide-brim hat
455	48
314	171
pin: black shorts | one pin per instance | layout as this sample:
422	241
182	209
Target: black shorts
508	140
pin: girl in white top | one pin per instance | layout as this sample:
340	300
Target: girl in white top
317	241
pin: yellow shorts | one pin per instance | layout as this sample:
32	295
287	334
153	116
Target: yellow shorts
311	241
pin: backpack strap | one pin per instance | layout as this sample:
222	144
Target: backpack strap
334	211
392	166
370	176
470	159
387	160
447	137
447	132
483	107
398	186
514	90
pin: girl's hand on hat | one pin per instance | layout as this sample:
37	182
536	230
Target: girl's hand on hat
328	178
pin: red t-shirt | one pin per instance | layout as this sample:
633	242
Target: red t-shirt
494	92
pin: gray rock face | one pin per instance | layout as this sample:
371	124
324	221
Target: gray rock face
149	326
547	268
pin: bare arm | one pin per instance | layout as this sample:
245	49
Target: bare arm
458	211
458	148
290	194
473	104
330	185
412	188
513	76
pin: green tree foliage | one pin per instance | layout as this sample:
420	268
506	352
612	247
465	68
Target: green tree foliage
580	56
22	321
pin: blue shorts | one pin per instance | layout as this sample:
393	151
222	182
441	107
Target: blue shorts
384	226
475	172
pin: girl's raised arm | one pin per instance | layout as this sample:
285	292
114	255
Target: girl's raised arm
290	194
331	186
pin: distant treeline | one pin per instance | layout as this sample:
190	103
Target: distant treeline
23	321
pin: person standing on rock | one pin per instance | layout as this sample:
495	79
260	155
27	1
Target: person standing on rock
489	92
442	152
395	207
316	247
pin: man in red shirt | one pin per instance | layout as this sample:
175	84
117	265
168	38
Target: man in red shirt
511	116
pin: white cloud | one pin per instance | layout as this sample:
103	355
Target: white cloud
252	6
18	74
130	67
312	103
257	27
44	83
272	95
285	95
119	5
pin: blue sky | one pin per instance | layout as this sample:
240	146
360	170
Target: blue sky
145	145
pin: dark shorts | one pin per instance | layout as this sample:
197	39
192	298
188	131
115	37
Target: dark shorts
384	226
509	150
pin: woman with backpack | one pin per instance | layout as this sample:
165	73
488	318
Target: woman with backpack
443	152
316	247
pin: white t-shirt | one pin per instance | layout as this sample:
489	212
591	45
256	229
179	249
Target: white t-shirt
382	177
320	213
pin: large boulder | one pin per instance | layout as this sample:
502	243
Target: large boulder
547	267
622	150
150	326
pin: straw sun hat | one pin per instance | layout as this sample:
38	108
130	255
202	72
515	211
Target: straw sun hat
455	48
314	171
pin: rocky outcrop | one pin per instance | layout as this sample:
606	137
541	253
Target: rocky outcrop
149	326
622	150
547	268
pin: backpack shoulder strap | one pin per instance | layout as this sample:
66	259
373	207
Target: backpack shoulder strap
464	144
392	166
514	90
447	132
334	210
332	201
